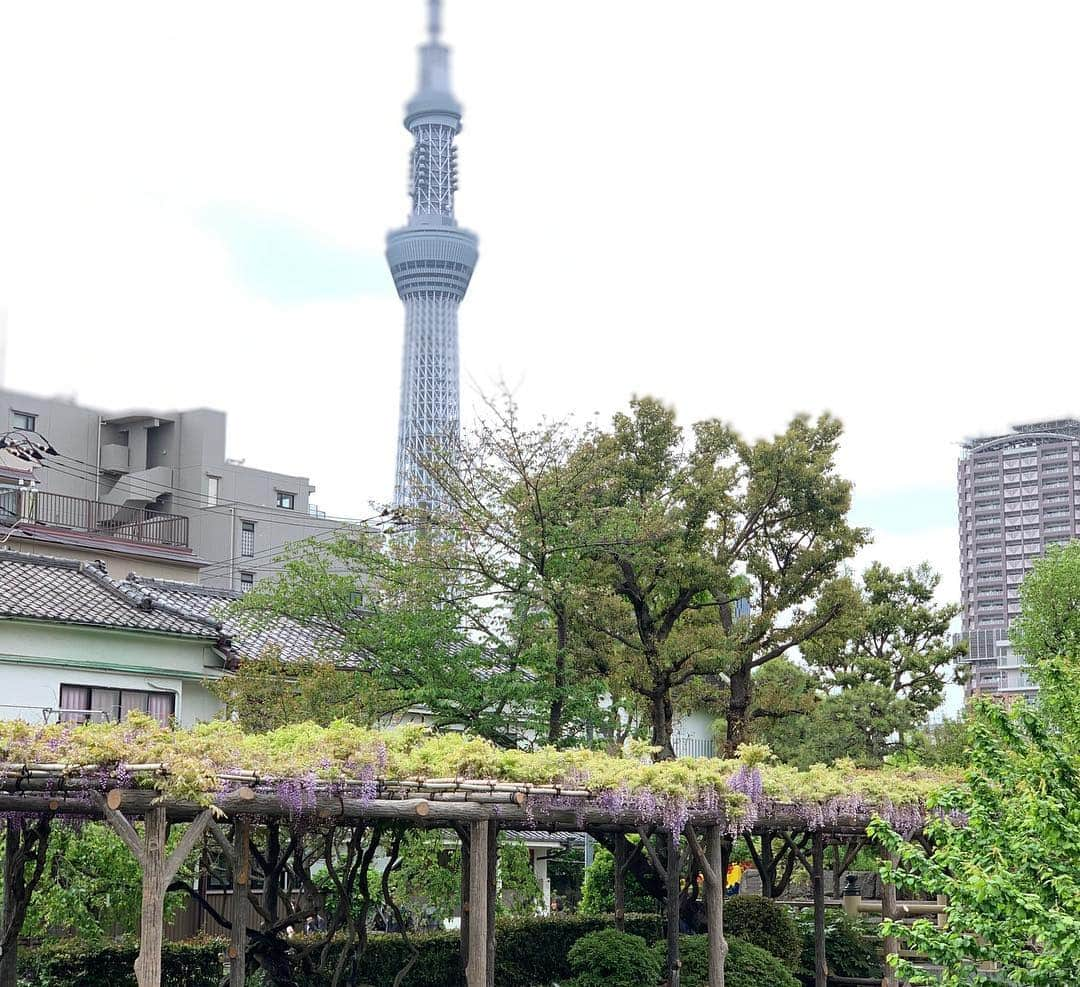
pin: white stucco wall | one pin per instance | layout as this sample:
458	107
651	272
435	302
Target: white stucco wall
697	724
36	658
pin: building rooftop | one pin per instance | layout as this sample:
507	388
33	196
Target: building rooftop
1058	427
36	587
252	636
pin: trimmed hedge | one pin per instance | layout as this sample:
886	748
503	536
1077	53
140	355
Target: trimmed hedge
613	959
746	965
196	963
529	953
767	925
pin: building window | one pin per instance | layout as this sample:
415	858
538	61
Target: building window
24	421
87	703
247	581
213	489
247	539
286	501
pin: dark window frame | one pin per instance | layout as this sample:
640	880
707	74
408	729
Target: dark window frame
28	416
247	539
113	714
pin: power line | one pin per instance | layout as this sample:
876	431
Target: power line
196	502
265	554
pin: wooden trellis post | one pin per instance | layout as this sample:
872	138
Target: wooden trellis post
241	883
157	873
821	967
712	862
480	970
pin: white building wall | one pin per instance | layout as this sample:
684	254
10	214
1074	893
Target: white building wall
36	659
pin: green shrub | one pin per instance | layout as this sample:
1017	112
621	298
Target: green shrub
535	951
746	965
765	924
529	952
851	947
598	890
613	959
71	963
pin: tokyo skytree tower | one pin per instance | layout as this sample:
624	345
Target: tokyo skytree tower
432	262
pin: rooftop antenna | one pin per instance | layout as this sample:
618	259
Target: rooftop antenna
435	19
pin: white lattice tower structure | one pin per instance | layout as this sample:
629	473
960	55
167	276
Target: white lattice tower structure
432	261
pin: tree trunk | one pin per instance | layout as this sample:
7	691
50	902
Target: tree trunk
23	845
768	865
466	909
152	920
671	906
659	708
621	851
738	713
714	904
558	702
273	878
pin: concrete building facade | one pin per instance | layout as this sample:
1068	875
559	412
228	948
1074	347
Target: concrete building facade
1018	495
152	490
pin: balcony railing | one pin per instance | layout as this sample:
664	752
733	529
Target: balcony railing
129	524
689	746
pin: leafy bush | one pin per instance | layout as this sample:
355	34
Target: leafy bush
529	952
613	959
71	963
851	947
765	924
746	965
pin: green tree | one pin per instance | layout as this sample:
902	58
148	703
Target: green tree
598	890
887	660
91	887
427	881
266	693
1006	840
691	528
387	599
467	608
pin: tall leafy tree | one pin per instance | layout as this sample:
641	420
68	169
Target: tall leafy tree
889	657
691	527
410	636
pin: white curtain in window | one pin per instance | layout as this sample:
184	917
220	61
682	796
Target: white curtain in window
132	701
160	705
74	697
105	703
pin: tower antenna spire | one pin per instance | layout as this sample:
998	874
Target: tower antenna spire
432	260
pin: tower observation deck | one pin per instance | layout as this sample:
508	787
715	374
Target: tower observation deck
432	261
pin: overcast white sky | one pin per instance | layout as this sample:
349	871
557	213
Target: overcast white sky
748	209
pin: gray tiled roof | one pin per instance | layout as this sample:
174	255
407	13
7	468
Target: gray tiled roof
252	636
36	587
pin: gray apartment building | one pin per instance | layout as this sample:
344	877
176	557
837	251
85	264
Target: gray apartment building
1019	494
151	491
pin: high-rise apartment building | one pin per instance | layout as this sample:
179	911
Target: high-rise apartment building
432	261
1019	494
